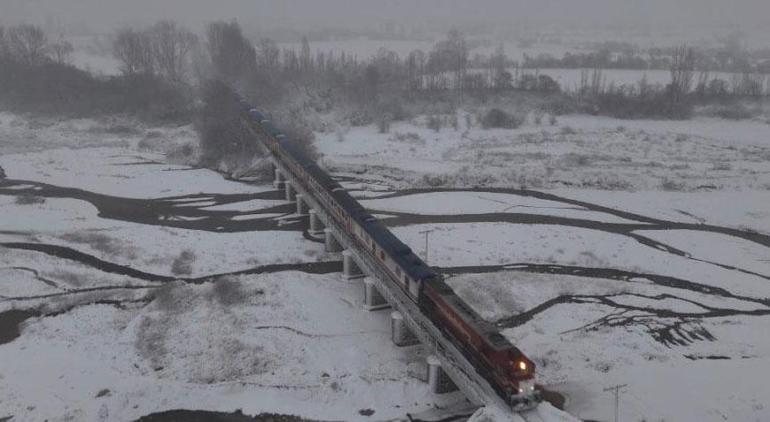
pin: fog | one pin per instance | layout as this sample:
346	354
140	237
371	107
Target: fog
99	15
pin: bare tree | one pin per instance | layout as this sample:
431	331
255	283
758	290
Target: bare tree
682	73
268	55
501	77
305	62
27	44
3	43
171	48
232	55
451	55
682	70
61	51
134	50
415	70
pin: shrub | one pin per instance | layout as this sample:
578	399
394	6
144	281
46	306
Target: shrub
228	291
671	185
101	242
183	264
576	160
29	199
733	112
185	154
434	123
383	124
552	120
721	166
359	118
409	138
568	130
496	118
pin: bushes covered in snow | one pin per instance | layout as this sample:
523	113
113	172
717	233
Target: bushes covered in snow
29	199
191	334
497	118
183	264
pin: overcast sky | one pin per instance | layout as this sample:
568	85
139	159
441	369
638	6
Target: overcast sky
356	13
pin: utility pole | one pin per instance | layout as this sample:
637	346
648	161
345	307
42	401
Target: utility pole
616	389
426	233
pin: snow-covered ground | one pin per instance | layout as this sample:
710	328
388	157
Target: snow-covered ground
111	346
640	258
578	152
260	343
649	268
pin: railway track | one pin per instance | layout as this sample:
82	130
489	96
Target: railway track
476	388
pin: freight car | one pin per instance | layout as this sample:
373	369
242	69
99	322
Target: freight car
506	368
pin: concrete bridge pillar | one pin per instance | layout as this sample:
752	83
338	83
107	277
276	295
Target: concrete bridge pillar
291	194
373	300
439	381
400	333
316	225
279	179
350	269
332	245
301	204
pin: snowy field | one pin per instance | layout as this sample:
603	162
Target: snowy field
611	252
111	336
578	151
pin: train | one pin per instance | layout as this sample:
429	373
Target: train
503	365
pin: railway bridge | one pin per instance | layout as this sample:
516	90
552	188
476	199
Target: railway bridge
447	366
448	369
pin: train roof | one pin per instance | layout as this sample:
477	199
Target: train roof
270	129
488	330
322	177
296	152
395	248
256	116
399	252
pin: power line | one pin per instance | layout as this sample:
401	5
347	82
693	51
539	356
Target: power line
616	389
426	233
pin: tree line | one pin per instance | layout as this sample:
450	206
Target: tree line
36	76
168	55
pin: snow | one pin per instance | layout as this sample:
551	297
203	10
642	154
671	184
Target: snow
692	375
154	249
245	206
716	248
54	214
334	364
104	171
476	244
458	203
579	151
745	209
264	342
20	282
570	79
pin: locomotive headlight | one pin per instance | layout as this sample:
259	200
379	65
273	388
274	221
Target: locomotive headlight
523	365
526	387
